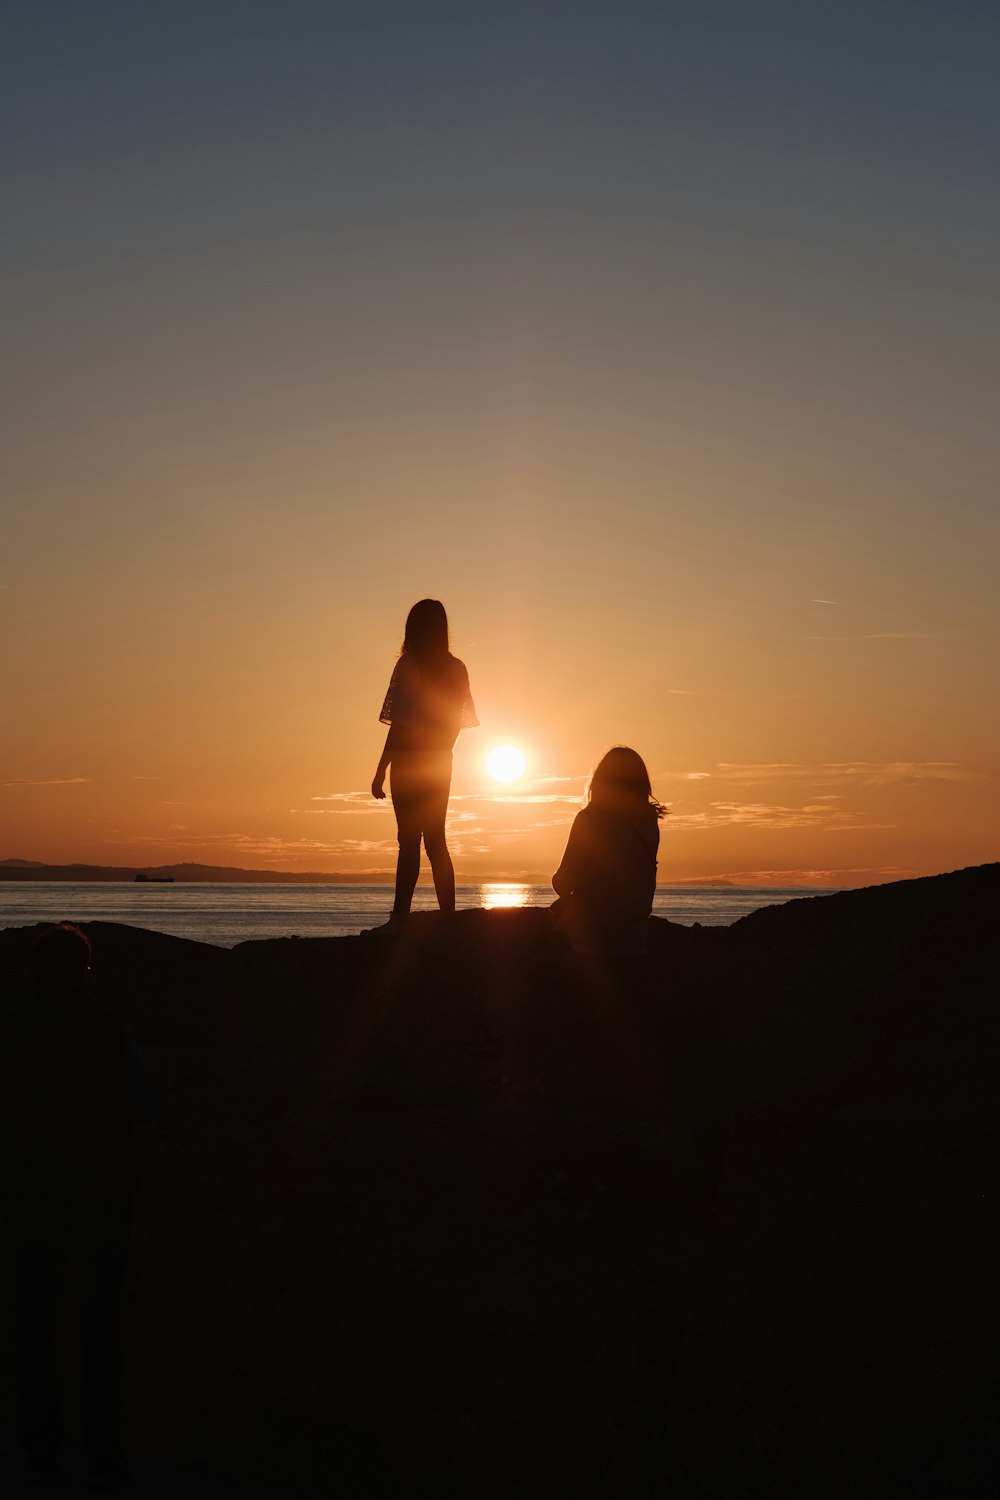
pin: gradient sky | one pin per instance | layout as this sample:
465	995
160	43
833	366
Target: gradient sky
658	340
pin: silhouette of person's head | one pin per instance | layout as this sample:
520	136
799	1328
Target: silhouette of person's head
426	634
620	783
60	958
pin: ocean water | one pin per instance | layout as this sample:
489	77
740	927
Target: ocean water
231	914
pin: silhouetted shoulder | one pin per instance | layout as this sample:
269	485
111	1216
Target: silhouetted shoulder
463	692
402	696
419	697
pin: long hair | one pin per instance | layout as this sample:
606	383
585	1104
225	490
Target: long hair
426	633
620	783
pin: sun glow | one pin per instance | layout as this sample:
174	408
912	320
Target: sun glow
499	894
505	763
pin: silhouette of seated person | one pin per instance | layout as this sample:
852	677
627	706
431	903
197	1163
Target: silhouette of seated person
607	877
71	1082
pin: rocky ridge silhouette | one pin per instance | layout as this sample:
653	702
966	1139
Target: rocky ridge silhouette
465	1213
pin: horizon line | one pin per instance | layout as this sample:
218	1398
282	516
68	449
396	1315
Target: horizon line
764	880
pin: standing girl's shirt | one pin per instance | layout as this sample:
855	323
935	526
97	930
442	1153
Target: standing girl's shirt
432	703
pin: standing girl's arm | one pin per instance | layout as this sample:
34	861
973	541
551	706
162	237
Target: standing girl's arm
392	742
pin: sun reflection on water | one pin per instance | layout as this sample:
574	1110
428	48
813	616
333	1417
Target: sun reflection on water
504	893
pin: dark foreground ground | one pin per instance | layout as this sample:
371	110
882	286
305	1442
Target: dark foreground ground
459	1215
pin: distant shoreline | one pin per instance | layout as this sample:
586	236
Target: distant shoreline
183	875
193	874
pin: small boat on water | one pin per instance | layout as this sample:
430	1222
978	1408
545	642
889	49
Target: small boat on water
144	879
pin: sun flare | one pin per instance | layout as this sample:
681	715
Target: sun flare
505	763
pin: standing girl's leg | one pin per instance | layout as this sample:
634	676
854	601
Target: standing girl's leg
435	811
407	810
407	863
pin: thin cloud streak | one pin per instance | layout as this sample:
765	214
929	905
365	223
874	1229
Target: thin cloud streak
50	781
841	773
772	816
348	804
921	771
527	832
241	845
351	798
791	877
340	812
524	799
882	635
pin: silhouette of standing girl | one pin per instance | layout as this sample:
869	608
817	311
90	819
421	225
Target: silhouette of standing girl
607	877
427	703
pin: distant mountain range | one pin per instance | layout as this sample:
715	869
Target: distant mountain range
30	869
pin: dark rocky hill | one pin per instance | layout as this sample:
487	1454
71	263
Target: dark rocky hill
462	1214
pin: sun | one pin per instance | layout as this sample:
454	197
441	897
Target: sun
505	763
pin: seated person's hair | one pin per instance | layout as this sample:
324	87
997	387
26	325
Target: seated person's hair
620	781
61	956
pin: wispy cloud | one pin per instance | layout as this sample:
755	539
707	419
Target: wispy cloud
362	846
765	815
772	816
535	790
344	805
342	812
657	777
764	765
910	770
236	848
523	799
506	834
829	876
48	781
733	771
840	773
882	635
363	804
349	799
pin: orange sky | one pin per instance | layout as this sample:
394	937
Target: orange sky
671	378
